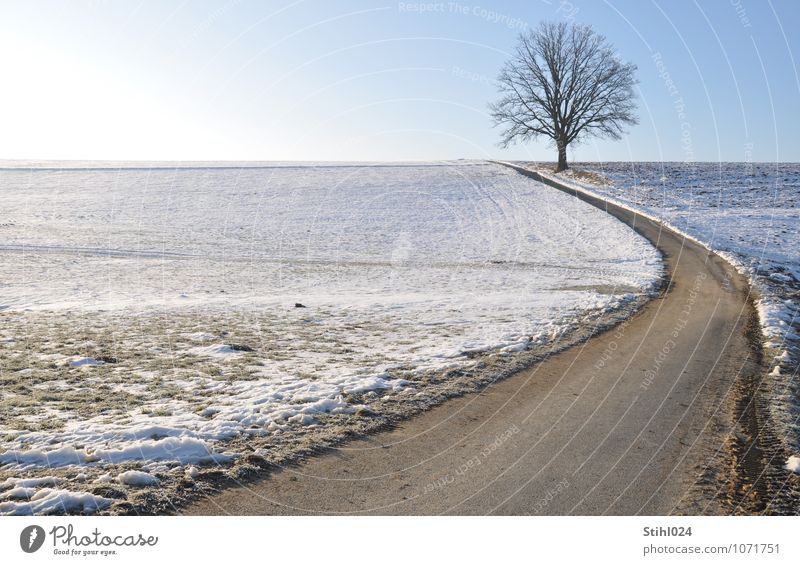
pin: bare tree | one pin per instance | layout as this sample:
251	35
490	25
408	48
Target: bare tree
564	82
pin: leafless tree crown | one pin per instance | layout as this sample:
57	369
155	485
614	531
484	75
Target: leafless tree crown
566	83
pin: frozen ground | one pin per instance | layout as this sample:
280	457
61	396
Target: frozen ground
165	328
750	213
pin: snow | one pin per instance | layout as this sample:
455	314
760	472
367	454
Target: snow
182	450
184	282
48	501
65	455
16	482
137	479
200	336
218	350
18	493
85	362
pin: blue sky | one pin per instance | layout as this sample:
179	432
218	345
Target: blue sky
349	80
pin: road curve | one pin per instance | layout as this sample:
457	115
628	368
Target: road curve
632	421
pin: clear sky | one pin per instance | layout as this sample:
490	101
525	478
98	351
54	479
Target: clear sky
377	80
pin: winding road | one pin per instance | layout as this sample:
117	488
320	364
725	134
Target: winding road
635	420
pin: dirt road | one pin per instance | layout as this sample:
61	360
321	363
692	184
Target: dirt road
633	421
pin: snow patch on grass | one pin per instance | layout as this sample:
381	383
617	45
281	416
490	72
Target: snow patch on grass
13	482
52	501
182	450
137	479
85	362
217	350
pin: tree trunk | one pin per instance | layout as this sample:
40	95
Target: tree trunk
562	155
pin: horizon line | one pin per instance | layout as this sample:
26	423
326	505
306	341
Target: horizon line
51	164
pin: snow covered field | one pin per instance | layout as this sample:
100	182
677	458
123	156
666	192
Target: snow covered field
750	213
172	327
